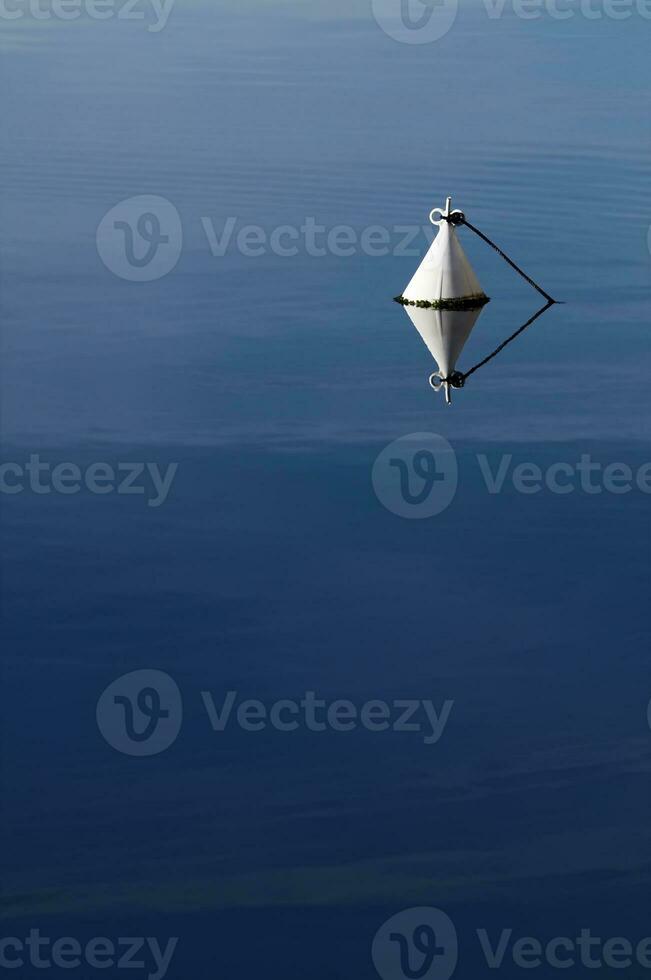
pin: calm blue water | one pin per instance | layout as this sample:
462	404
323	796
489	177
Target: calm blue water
272	568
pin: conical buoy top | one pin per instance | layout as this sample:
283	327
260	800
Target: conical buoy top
445	277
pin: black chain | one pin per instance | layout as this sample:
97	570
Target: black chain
459	218
501	347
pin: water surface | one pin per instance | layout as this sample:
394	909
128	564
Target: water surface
272	568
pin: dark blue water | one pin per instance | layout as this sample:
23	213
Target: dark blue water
271	568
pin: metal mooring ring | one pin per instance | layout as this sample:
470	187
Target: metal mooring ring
454	217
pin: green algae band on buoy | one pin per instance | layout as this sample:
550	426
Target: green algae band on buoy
445	279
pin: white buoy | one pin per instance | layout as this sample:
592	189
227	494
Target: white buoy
445	333
445	277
